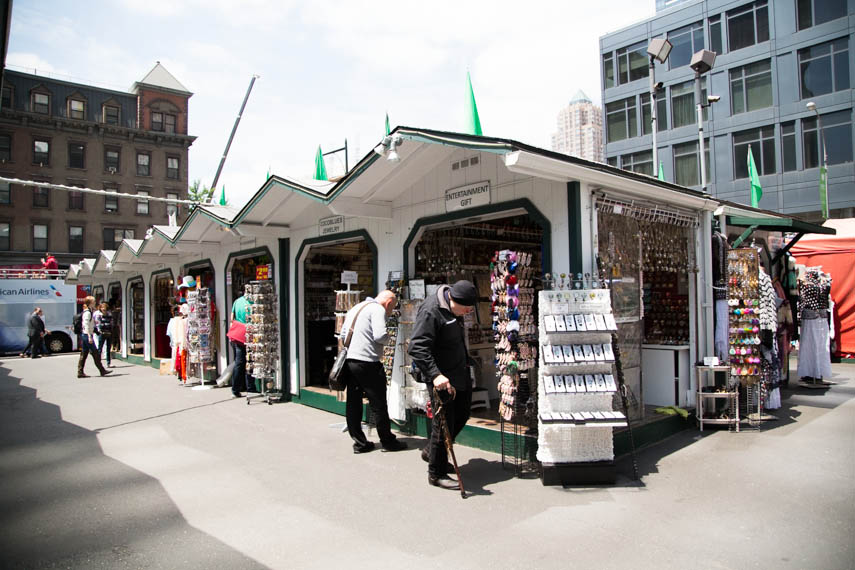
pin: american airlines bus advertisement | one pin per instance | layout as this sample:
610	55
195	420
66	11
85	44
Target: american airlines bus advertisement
18	298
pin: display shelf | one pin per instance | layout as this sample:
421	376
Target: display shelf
702	398
262	338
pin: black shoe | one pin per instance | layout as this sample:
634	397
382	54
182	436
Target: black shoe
395	445
106	372
443	482
449	468
235	395
34	357
363	448
82	375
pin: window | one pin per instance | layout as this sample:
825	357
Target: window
5	193
621	120
661	114
41	197
114	236
5	148
76	155
142	205
715	34
111	115
5	236
685	41
824	68
143	164
762	143
75	200
683	109
40	237
608	71
632	63
111	159
612	161
687	164
641	162
815	12
172	167
788	146
171	208
157	121
751	87
748	25
41	103
169	123
111	203
6	98
41	152
838	136
76	109
75	239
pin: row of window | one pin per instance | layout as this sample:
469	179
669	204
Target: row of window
41	153
112	237
823	69
837	128
40	103
41	199
745	26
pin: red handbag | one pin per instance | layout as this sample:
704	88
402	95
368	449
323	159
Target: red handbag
237	332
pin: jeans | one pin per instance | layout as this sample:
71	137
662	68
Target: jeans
88	347
105	339
456	413
366	378
241	379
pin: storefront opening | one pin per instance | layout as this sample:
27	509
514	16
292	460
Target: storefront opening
137	323
163	299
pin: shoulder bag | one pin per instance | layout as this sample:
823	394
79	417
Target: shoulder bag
336	378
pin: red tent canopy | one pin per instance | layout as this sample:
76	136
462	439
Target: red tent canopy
836	255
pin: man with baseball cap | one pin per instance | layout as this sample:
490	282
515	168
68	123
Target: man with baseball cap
438	350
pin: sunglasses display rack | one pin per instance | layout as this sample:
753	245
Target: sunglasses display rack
262	336
199	345
577	386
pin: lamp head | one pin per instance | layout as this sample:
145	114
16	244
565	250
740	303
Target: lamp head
713	98
659	49
811	106
392	156
702	61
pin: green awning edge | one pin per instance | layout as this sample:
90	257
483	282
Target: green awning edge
779	224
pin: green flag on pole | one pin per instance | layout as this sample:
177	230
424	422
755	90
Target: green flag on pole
320	167
473	121
268	173
661	172
223	196
388	130
756	190
823	190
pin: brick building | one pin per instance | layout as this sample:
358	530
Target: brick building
68	133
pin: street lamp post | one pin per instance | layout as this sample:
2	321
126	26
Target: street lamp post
823	181
702	62
659	49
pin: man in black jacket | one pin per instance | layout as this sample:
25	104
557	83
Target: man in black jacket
438	349
35	332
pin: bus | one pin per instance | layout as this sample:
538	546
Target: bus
18	299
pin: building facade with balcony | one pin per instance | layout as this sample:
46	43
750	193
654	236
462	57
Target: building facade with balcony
772	59
67	133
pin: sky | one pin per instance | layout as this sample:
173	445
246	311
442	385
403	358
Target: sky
329	70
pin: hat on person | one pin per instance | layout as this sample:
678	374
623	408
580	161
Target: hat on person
464	293
188	281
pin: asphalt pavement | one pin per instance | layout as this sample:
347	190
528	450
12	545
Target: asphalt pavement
135	471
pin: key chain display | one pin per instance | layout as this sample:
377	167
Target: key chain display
262	334
199	345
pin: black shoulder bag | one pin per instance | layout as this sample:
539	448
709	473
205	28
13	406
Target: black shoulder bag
336	379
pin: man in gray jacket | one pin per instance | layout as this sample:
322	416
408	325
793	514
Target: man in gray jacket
364	372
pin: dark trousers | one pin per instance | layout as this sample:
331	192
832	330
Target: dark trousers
34	346
88	347
456	414
241	379
105	340
368	379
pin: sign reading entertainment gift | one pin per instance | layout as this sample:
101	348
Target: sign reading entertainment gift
468	196
331	225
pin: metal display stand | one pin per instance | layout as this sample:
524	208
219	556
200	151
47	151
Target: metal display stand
262	339
731	393
199	329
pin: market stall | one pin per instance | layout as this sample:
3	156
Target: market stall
162	301
137	317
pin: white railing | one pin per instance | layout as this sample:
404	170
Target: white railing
16	273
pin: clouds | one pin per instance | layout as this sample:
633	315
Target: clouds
330	69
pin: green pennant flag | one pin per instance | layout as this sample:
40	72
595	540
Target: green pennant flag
268	173
823	190
388	130
223	196
756	190
661	172
473	121
320	167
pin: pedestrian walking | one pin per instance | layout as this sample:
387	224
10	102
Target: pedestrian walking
35	333
364	373
104	331
438	350
87	340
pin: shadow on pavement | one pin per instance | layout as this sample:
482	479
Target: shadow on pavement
64	504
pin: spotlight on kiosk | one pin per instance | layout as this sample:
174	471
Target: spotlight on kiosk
388	147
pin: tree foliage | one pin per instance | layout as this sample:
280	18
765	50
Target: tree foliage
199	193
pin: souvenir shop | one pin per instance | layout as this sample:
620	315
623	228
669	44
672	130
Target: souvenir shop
136	318
98	293
114	298
162	301
202	273
243	267
336	276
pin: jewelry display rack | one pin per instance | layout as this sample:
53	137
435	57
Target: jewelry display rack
392	326
576	385
262	338
199	352
743	287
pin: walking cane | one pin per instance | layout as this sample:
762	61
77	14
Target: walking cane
449	446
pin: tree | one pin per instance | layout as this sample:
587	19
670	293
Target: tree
199	193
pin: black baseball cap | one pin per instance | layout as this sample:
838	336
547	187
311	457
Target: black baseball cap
464	293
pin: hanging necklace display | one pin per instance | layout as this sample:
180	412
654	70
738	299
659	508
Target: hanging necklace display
743	287
199	345
262	336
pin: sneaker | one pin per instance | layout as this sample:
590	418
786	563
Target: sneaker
395	445
363	448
